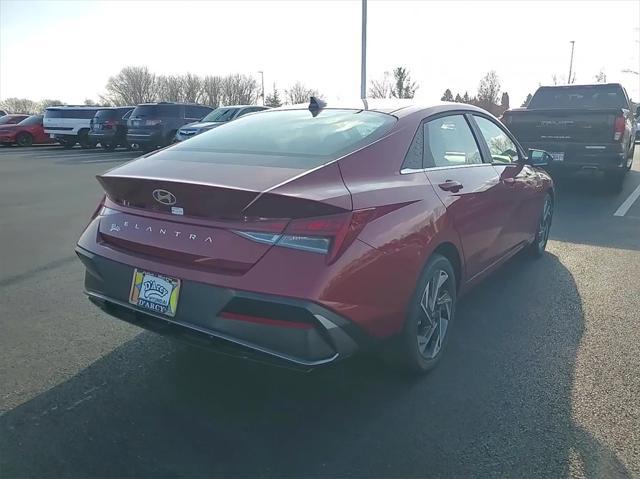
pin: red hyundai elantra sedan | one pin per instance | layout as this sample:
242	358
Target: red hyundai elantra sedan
303	234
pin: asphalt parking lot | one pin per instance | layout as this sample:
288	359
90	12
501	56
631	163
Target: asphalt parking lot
541	378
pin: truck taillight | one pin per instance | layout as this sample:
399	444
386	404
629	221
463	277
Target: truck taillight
618	128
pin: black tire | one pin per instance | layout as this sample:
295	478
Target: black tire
615	179
539	245
85	142
68	144
24	139
108	146
424	338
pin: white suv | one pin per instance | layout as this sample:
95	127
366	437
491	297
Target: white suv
70	124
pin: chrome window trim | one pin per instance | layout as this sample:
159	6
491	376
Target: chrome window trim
407	171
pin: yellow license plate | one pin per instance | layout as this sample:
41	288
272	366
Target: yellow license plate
155	292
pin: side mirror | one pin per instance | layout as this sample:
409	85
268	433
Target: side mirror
539	158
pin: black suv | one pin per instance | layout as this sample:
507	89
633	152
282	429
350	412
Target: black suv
153	125
109	127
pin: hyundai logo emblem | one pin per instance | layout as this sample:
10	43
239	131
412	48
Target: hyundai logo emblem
165	197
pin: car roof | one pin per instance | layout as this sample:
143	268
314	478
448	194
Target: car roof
396	107
177	103
74	107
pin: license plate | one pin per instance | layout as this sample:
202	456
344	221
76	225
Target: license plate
557	156
51	135
155	292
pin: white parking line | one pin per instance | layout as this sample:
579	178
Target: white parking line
628	203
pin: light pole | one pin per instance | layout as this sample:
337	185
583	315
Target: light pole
363	60
573	44
262	77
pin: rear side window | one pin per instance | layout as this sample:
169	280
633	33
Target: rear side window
448	141
156	111
32	120
590	96
80	113
306	140
501	147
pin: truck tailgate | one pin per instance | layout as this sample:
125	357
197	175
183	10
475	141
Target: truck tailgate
563	125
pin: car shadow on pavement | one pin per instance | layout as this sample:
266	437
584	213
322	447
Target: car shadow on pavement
585	205
498	405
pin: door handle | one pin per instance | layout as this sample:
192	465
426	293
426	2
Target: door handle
509	181
450	185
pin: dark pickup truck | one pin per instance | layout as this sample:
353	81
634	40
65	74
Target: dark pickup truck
583	127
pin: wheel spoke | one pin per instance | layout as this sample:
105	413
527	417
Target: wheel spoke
439	278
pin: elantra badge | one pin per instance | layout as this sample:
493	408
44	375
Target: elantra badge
164	197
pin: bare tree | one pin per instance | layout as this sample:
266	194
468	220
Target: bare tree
212	92
601	77
191	88
489	91
19	105
299	93
44	104
380	88
168	88
403	86
133	85
239	90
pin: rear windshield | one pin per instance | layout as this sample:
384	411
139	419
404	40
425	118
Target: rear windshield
220	114
80	113
32	120
107	114
11	119
297	134
596	96
156	111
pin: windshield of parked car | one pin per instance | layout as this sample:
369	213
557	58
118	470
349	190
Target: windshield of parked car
220	114
155	111
589	96
32	120
295	133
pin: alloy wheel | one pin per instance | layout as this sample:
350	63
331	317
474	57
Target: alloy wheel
545	223
435	314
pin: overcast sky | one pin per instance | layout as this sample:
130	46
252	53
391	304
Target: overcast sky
68	49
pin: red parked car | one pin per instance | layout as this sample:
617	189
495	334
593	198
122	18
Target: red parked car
302	235
27	132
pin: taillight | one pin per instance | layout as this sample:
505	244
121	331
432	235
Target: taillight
328	235
618	128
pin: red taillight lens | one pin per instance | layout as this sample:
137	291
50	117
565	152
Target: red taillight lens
329	235
618	128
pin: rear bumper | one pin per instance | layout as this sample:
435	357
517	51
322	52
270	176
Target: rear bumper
8	138
145	137
584	156
107	135
282	331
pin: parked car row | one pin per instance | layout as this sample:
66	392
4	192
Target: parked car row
148	126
